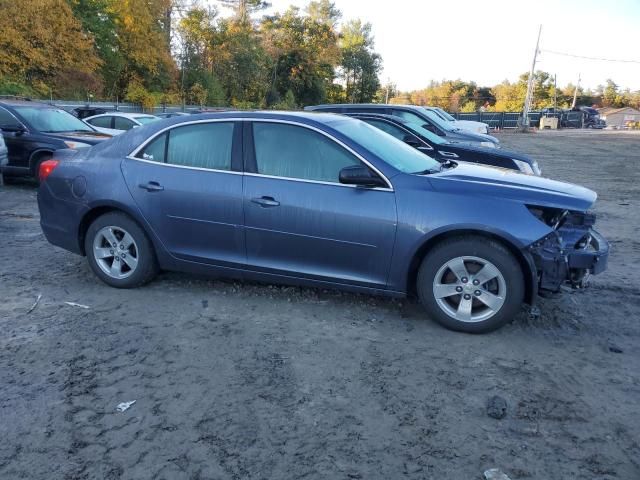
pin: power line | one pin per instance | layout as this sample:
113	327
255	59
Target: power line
601	59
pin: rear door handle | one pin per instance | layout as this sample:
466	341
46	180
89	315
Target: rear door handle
152	187
266	202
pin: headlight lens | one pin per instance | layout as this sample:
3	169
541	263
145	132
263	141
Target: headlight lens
76	145
488	144
524	167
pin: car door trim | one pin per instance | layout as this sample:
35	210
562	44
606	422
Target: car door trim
132	155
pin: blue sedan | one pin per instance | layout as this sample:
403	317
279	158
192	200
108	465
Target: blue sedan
319	200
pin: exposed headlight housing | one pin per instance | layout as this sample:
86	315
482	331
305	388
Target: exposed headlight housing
75	145
488	144
524	167
553	217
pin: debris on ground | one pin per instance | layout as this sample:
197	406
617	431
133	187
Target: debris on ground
33	307
497	407
124	406
79	305
495	474
613	348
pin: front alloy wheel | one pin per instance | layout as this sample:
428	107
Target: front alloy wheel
469	289
471	284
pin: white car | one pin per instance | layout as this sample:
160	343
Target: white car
115	123
468	125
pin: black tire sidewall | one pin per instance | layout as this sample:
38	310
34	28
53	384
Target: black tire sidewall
147	265
484	248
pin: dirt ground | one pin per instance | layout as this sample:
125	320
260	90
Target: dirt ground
246	381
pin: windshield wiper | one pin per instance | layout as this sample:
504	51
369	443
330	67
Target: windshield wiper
429	171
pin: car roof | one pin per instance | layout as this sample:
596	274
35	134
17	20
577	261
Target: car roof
362	105
26	103
123	114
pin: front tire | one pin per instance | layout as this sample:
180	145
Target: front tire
119	252
471	284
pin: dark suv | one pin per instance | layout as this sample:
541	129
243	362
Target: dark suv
418	115
32	131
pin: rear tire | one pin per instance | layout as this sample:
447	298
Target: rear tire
471	284
119	251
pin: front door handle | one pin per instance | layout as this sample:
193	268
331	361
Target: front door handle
448	154
152	187
266	202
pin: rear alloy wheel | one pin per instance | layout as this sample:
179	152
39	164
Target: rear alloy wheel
119	252
471	284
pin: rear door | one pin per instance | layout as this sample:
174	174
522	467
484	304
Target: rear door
19	145
187	183
300	221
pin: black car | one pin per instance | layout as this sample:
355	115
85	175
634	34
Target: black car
418	115
441	150
87	111
33	131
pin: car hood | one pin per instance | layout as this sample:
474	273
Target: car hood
91	138
495	182
488	151
470	124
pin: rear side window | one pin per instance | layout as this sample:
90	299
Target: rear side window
104	122
206	145
155	151
297	152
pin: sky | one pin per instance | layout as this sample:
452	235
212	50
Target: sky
490	41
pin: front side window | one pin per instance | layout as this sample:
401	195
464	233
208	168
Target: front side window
410	117
296	152
122	123
103	122
204	145
389	128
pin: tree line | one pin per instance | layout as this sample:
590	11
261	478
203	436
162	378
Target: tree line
461	96
225	53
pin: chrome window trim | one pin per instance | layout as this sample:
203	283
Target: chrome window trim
132	155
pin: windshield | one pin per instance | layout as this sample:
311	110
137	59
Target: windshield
389	149
444	114
52	120
145	120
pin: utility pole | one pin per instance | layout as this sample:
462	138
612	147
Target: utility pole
575	94
555	93
524	122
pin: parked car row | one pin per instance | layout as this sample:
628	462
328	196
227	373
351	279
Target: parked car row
357	202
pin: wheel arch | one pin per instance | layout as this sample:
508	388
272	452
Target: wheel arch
100	209
36	155
524	258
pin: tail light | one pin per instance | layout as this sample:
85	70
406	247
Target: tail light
46	168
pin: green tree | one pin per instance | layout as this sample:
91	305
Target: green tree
360	64
37	47
243	9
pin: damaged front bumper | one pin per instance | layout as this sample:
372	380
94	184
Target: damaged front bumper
569	254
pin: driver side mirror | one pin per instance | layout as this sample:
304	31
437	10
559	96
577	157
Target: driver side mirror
17	129
360	175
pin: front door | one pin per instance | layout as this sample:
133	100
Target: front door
186	186
300	221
